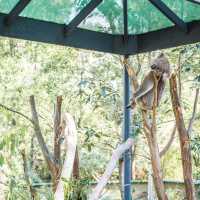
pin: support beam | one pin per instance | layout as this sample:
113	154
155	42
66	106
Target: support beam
125	16
81	16
14	13
168	38
195	1
170	14
52	33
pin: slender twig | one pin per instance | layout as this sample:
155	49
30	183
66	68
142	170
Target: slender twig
179	76
169	143
193	112
17	112
153	132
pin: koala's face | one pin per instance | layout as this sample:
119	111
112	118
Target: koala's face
161	66
156	69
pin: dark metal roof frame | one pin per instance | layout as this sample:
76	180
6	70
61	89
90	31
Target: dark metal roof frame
19	7
194	1
48	32
125	16
170	14
81	16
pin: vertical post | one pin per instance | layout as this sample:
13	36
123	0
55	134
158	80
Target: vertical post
126	135
126	121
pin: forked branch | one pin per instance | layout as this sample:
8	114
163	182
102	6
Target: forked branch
48	157
117	153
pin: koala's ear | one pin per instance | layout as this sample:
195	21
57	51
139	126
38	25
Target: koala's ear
161	55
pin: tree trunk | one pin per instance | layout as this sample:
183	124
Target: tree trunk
57	129
76	173
57	137
184	140
38	133
156	166
150	130
70	133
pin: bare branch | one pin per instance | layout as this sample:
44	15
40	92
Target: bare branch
184	140
57	129
139	65
154	108
17	112
169	143
132	74
117	153
70	133
179	75
76	172
193	112
48	157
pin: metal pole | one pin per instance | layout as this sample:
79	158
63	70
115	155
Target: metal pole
126	121
126	135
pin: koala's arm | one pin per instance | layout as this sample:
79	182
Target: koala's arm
146	86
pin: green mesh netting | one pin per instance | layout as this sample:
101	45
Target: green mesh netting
108	16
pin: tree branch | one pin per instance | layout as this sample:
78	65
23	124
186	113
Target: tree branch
193	112
117	153
139	65
57	129
169	143
48	157
17	112
184	140
70	133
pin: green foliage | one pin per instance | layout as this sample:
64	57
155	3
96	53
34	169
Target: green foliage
92	88
76	189
195	146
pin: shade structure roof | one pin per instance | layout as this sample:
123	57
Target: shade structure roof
117	26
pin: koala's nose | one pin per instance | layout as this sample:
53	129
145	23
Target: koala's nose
154	66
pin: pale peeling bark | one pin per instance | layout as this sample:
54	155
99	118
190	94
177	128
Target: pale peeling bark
184	140
70	134
117	153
